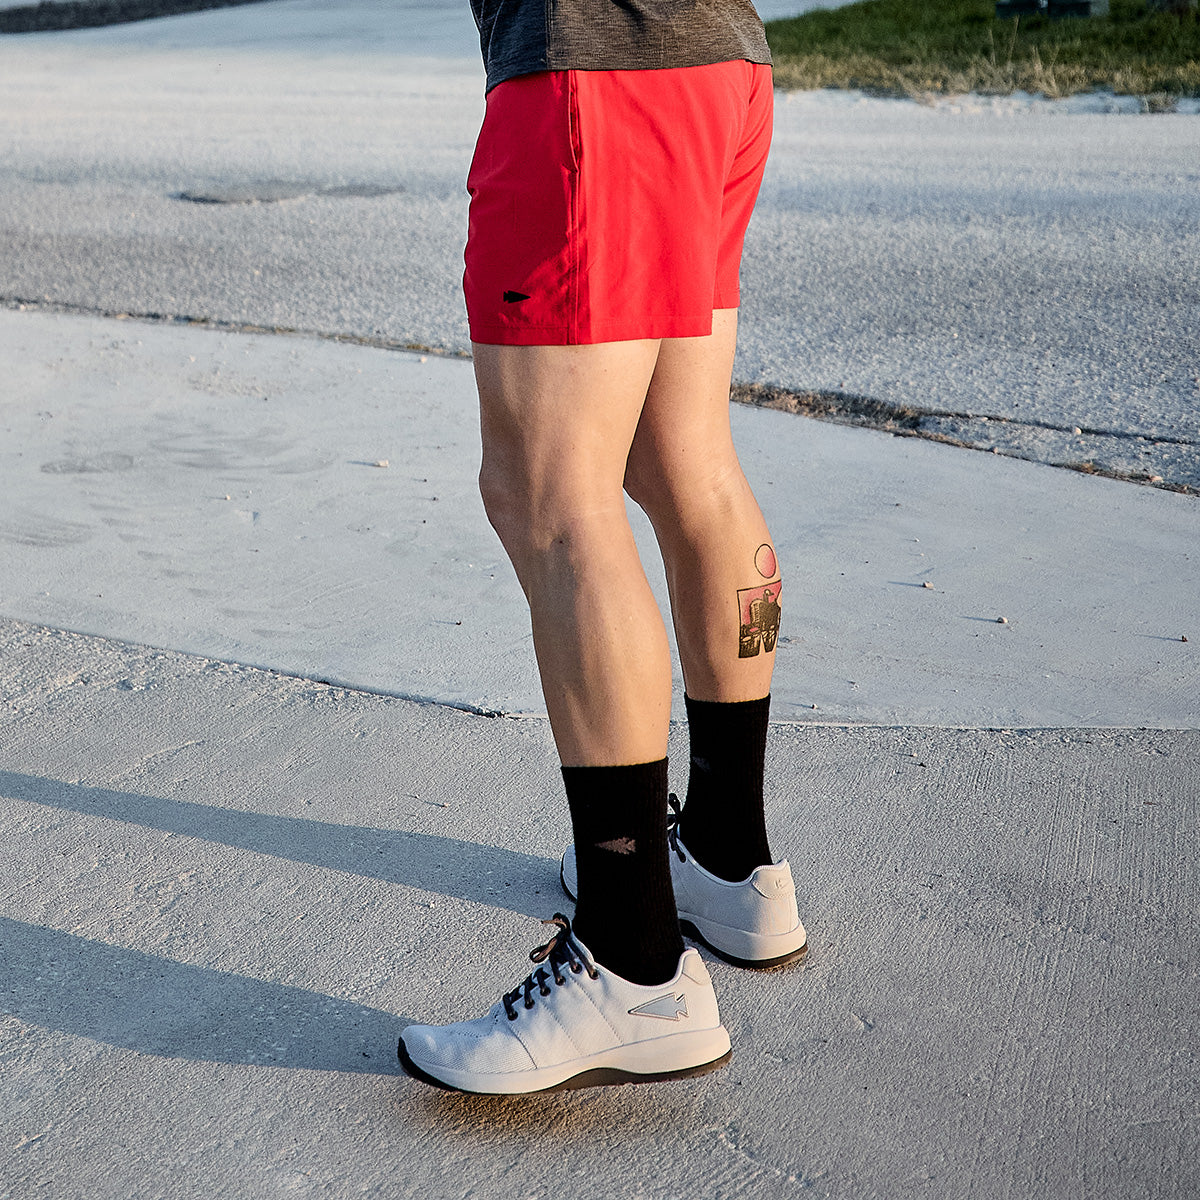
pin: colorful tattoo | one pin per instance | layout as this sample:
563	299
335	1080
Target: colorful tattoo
764	561
760	615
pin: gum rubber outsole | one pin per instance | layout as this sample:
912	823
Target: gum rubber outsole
598	1077
690	930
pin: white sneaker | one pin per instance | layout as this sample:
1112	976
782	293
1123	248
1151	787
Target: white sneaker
754	923
573	1023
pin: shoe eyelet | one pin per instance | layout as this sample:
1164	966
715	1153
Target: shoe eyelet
576	968
529	1002
512	1016
558	979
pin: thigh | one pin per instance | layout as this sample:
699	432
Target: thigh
683	438
558	421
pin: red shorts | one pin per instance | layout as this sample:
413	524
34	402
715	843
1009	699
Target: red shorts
612	205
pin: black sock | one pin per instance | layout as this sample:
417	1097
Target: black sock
625	912
723	823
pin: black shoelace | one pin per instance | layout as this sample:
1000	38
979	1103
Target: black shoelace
673	818
560	951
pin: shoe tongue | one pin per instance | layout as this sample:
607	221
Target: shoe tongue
582	949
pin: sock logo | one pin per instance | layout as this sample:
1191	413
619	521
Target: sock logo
619	846
666	1008
514	297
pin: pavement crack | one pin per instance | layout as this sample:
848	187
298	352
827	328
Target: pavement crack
841	408
1112	453
882	414
25	304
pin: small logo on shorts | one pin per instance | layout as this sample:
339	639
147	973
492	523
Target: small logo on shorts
514	297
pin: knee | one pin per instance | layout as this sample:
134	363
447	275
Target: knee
695	488
505	501
652	486
641	486
541	518
555	501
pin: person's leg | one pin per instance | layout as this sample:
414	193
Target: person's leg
614	994
598	214
557	423
684	472
724	585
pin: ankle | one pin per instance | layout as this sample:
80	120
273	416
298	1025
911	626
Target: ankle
723	822
625	908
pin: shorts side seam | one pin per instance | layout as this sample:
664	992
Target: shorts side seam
574	184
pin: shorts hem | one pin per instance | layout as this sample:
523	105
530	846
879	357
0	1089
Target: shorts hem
488	334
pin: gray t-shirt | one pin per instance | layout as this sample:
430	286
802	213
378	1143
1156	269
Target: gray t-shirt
521	36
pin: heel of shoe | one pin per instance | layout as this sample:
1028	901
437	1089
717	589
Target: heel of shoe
740	948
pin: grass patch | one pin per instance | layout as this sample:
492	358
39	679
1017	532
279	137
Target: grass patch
919	47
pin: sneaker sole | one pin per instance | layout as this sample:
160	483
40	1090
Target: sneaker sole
589	1077
689	929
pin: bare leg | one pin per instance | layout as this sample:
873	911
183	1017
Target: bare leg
557	425
684	472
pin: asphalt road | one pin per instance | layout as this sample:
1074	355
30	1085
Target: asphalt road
1009	276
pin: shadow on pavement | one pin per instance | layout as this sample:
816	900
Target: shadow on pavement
156	1006
448	866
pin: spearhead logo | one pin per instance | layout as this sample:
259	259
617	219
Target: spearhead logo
666	1008
619	846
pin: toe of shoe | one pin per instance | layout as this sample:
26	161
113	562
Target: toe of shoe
419	1041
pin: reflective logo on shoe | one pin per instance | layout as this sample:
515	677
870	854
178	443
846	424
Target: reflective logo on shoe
514	297
772	885
667	1008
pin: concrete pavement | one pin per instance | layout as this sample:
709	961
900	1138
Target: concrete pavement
227	890
228	887
253	826
215	492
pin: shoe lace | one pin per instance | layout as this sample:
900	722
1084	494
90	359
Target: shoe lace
562	950
673	818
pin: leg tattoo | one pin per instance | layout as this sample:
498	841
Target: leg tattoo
760	615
